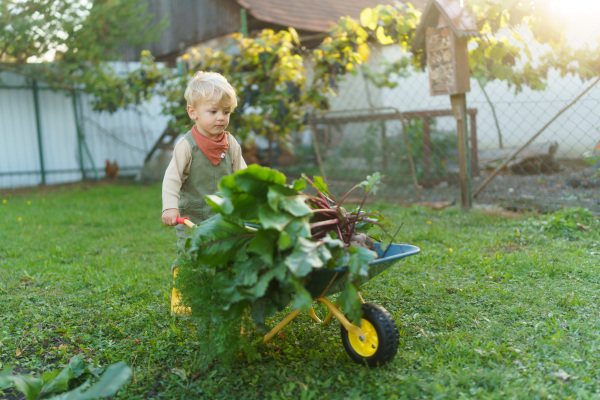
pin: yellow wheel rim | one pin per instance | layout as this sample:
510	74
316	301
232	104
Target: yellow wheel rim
368	346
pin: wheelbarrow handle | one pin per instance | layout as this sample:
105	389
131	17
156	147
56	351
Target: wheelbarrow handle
185	221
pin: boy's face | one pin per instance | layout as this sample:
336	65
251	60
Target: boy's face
211	118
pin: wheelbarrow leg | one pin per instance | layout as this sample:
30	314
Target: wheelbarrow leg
333	309
176	307
311	312
281	325
329	316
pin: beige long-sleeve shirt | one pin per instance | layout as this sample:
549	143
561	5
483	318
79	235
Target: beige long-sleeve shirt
179	169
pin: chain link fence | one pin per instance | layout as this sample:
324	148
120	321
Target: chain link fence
542	140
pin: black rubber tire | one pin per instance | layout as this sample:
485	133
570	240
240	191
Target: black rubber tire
387	335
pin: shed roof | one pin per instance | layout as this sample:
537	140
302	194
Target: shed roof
312	15
458	18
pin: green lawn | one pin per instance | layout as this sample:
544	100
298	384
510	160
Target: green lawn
492	307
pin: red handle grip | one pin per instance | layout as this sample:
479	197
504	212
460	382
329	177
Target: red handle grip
185	221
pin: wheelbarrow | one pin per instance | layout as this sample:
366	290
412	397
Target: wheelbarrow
375	341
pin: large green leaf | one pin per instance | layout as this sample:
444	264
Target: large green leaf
298	227
29	385
302	298
287	199
256	179
60	382
298	184
273	219
304	257
350	302
218	240
110	382
263	244
284	241
227	185
360	257
219	204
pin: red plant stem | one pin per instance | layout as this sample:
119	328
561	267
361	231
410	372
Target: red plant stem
322	203
362	203
318	235
324	211
323	223
347	194
313	185
339	231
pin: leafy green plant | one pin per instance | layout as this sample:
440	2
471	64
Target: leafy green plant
569	222
59	381
254	256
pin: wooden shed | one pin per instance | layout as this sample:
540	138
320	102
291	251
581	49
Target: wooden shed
196	21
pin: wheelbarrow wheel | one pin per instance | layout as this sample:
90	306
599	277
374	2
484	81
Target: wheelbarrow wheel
381	340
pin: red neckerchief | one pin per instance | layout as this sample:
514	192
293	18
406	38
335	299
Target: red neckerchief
213	149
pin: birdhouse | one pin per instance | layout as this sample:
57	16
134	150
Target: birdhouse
442	35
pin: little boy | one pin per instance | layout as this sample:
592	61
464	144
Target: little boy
202	157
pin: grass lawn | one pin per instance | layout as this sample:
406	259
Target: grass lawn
494	306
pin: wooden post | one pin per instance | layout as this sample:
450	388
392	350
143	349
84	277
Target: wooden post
459	108
473	153
384	146
426	150
313	132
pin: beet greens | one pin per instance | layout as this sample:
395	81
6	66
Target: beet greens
255	254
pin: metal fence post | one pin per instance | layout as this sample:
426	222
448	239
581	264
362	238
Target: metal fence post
79	144
81	141
36	103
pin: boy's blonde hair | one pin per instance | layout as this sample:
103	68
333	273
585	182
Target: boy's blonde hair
210	87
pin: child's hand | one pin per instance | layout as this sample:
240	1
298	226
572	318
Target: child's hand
169	216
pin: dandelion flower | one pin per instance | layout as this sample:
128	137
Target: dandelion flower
428	222
28	202
3	201
19	219
450	250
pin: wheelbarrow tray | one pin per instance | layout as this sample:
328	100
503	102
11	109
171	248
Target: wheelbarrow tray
324	282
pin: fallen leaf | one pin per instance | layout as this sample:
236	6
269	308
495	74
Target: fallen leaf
560	374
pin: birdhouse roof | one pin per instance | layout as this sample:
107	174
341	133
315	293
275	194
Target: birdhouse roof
458	18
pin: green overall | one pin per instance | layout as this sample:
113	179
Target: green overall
203	180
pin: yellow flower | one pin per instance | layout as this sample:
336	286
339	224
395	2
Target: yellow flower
428	222
450	250
3	201
20	219
185	57
28	202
